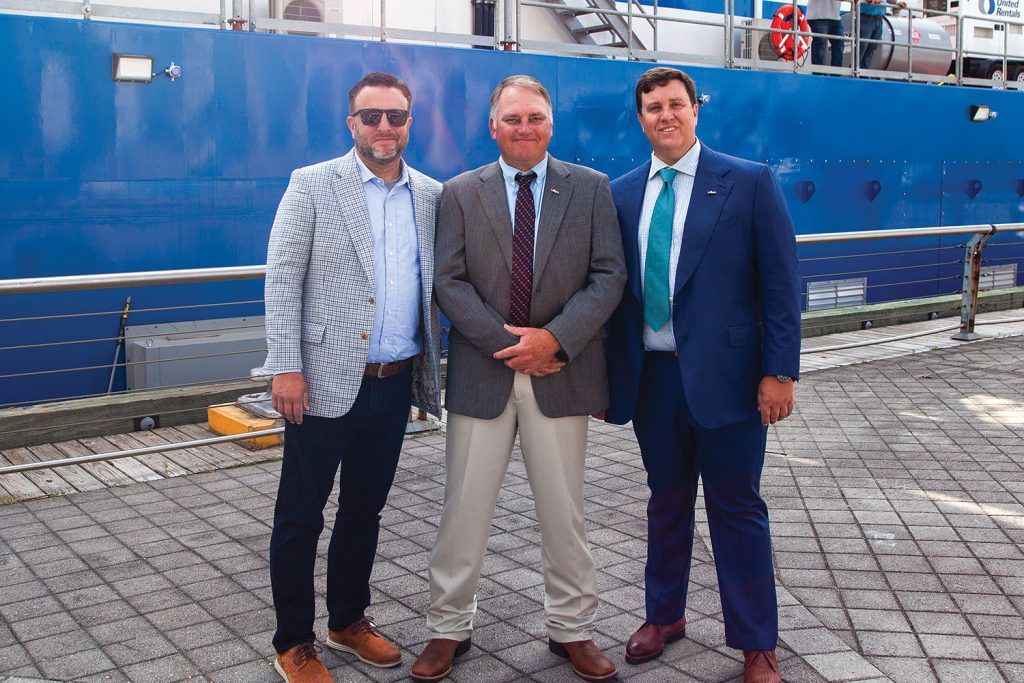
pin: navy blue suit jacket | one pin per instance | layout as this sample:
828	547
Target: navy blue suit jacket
736	310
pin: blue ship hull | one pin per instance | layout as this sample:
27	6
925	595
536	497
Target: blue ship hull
98	176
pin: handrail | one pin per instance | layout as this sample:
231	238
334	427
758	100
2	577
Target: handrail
511	39
68	283
65	283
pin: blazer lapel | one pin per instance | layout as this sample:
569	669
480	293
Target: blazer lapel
633	202
710	191
495	202
424	214
556	194
351	198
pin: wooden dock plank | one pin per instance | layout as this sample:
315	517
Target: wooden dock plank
164	435
186	463
48	481
17	485
158	462
231	449
133	467
208	453
76	475
105	471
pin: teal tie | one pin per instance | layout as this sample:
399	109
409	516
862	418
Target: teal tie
659	246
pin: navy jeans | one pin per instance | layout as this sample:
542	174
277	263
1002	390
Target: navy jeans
870	27
676	452
365	443
832	27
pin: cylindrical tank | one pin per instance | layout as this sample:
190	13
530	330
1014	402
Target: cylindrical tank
913	42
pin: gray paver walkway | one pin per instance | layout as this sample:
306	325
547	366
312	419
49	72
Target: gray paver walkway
897	498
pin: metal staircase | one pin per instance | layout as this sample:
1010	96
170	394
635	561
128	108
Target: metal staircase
589	25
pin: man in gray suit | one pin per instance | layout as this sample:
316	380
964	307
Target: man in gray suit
525	354
352	340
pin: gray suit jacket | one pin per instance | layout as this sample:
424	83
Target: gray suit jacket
578	278
320	287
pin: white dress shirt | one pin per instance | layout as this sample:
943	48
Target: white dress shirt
682	186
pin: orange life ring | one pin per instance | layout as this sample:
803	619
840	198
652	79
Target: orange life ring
783	42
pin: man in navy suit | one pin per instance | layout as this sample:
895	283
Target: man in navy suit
702	355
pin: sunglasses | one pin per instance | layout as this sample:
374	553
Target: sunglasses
371	117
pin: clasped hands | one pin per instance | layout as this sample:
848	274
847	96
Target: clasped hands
534	354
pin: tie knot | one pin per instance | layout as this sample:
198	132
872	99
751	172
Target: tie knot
524	179
667	174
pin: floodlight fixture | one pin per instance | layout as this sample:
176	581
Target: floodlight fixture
132	68
981	112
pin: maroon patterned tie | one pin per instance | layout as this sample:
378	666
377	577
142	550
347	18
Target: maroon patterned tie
522	253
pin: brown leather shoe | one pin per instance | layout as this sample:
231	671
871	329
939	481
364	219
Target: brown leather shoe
587	661
760	666
650	639
435	662
302	664
364	641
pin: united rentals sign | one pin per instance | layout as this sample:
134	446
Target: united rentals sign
1000	8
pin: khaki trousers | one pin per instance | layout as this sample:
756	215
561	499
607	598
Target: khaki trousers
477	454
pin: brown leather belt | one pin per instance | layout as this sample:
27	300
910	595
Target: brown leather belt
382	370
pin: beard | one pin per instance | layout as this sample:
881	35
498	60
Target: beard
367	151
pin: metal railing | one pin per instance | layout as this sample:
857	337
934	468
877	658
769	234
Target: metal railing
966	257
512	34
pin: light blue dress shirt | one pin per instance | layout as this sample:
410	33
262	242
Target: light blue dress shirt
396	264
682	186
512	191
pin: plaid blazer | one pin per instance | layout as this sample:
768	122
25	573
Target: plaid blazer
320	288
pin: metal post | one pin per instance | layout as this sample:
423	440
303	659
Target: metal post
629	27
383	22
657	24
86	9
237	22
959	49
508	27
730	23
727	37
972	274
910	42
794	35
1006	68
252	13
855	30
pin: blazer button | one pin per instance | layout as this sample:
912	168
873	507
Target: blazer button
372	300
364	335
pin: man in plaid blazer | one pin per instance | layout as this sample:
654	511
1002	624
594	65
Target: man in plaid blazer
352	340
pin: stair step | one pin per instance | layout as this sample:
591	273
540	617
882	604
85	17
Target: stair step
590	30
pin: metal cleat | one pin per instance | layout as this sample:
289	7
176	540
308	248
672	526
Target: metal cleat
260	405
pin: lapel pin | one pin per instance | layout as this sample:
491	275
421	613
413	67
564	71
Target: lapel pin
554	191
712	192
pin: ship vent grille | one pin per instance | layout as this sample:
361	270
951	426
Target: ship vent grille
998	277
837	293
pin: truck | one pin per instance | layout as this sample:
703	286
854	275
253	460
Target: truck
988	29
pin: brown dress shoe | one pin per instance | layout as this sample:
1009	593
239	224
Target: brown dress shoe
435	662
650	639
587	661
760	666
302	664
364	641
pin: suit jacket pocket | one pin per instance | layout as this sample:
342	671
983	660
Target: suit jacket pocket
313	332
741	335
